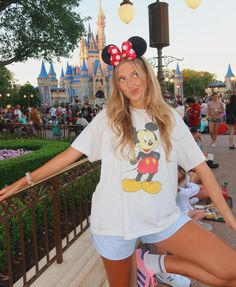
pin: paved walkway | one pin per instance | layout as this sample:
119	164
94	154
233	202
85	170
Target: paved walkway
226	172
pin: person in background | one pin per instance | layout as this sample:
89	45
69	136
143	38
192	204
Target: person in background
203	109
53	114
180	108
17	111
34	116
193	113
231	119
81	120
87	112
141	141
215	113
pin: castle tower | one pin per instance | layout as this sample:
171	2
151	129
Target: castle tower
68	80
83	54
178	84
44	86
52	77
100	37
86	84
62	79
229	79
99	82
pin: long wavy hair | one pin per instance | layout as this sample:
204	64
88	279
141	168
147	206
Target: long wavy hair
119	109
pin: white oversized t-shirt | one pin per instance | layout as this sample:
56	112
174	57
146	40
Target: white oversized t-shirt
135	198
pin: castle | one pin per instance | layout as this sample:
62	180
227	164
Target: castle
88	80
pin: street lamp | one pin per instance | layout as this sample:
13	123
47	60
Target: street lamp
159	35
126	11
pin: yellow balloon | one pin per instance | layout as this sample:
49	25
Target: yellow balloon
126	13
193	3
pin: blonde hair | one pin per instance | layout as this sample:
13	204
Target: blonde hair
119	111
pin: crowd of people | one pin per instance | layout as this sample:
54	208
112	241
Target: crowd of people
212	115
32	118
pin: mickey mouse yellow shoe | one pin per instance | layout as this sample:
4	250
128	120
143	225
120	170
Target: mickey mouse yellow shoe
151	186
131	185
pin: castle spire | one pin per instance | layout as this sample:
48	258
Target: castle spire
62	73
43	74
52	73
228	79
229	72
101	40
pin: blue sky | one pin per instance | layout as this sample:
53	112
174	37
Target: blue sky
204	37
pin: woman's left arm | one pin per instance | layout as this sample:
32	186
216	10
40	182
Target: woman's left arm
212	187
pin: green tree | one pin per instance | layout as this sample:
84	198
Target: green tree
38	29
27	96
6	78
195	82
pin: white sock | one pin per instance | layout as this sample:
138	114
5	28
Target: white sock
155	262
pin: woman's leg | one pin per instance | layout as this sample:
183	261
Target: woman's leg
231	134
211	130
215	131
201	255
118	271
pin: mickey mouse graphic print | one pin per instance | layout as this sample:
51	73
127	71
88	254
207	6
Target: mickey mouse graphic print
146	162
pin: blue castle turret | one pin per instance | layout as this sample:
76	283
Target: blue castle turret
178	84
229	79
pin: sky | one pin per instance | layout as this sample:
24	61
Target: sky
203	37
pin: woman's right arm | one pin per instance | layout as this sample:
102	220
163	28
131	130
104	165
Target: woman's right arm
55	165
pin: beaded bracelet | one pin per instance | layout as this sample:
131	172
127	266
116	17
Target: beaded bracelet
29	178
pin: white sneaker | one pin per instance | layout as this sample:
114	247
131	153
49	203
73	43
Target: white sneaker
213	145
174	280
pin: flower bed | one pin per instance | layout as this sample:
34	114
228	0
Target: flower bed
12	169
9	153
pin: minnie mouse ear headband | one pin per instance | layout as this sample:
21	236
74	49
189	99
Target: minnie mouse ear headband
134	48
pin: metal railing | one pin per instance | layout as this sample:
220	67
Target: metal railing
41	221
46	131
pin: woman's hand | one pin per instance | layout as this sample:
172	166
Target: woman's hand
56	164
7	191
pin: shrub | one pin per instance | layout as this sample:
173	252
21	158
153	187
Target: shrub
15	168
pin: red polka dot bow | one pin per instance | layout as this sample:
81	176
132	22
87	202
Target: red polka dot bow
126	53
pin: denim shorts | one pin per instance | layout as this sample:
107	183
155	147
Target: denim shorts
217	121
117	248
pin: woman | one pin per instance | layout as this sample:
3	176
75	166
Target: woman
141	141
231	119
215	116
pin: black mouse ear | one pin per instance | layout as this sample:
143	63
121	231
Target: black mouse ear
139	45
106	56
